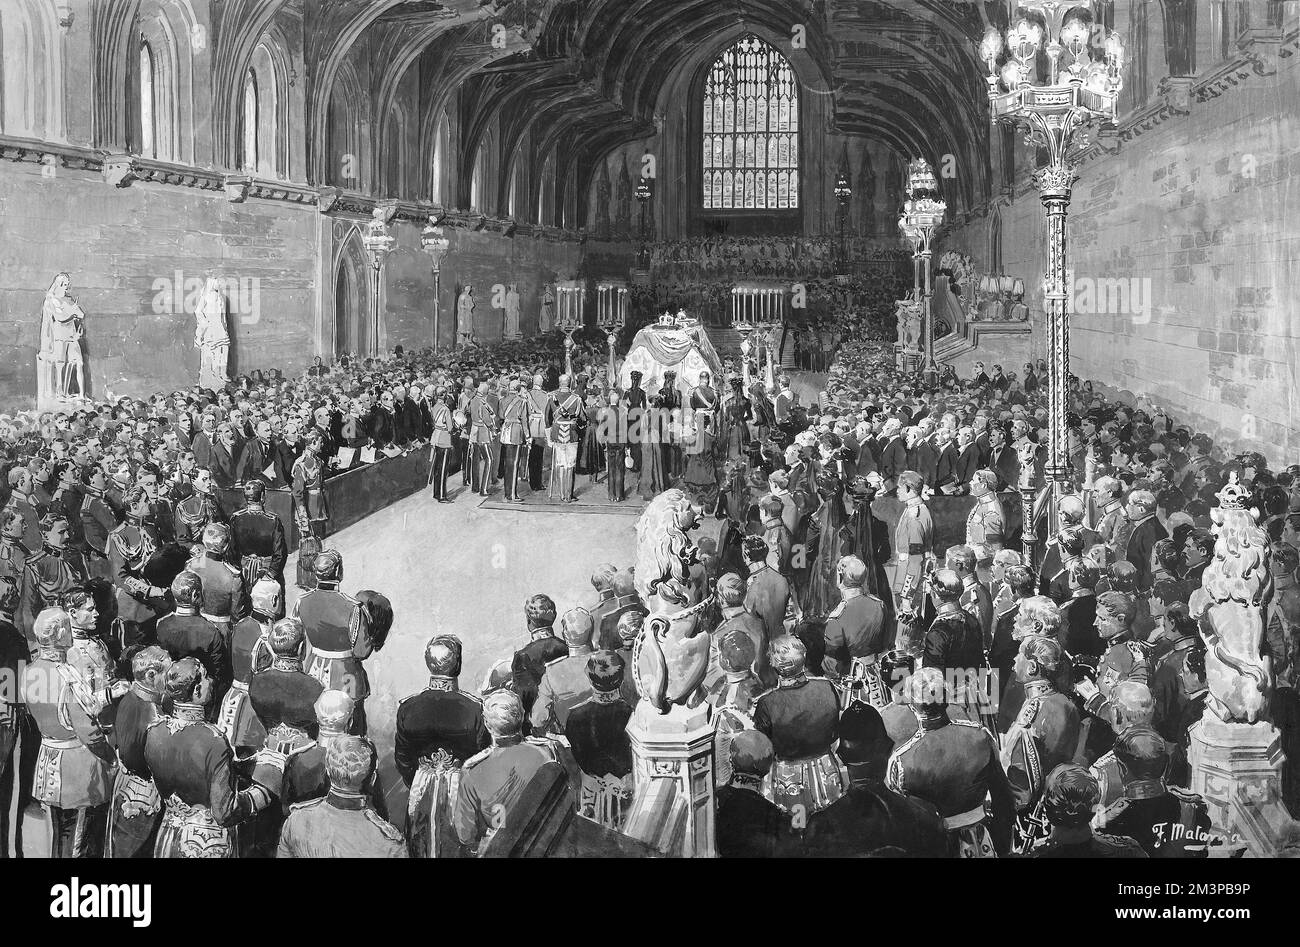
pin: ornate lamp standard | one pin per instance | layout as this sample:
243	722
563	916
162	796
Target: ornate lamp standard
922	214
611	316
378	242
436	245
644	191
843	194
571	299
744	322
1054	108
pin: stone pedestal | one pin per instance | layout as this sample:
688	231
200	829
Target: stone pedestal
672	767
906	360
1237	768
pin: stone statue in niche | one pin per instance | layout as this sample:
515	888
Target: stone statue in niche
59	362
211	336
602	203
465	315
546	316
512	330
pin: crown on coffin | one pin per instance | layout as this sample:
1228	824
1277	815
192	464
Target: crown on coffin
1234	495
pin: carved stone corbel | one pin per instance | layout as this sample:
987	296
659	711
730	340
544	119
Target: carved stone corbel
327	198
236	187
119	170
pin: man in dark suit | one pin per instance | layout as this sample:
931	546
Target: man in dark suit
529	662
260	461
1145	531
1079	611
747	825
1003	459
893	455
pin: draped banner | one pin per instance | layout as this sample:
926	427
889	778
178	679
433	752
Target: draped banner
685	350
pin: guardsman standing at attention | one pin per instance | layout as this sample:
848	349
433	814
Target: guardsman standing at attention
74	768
539	411
856	635
441	419
342	824
482	432
250	652
986	524
90	656
612	433
913	539
51	572
283	695
187	634
564	437
514	434
130	546
338	635
438	729
257	538
224	592
310	509
193	768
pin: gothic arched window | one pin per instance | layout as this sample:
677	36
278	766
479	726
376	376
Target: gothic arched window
751	130
148	104
250	122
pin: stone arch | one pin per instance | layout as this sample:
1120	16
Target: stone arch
31	70
351	306
269	65
346	153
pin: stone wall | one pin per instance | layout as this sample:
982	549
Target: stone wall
1184	248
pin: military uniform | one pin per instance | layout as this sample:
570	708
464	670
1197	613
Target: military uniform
193	768
954	644
913	543
1166	822
32	512
74	766
98	520
225	596
186	634
1174	688
193	514
514	434
47	575
976	602
856	635
1124	660
339	825
130	547
492	781
442	443
612	434
338	635
257	544
98	671
1045	734
437	730
249	653
482	432
13	558
986	526
136	808
606	637
1084	843
308	484
564	685
801	716
539	410
14	723
954	765
529	664
283	696
1111	518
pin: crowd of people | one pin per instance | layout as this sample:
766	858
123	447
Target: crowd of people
871	692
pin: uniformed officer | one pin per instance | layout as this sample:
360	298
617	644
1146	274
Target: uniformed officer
437	730
564	437
1045	734
1134	707
283	696
612	434
1166	822
187	634
15	725
856	633
730	593
1108	496
1176	684
198	510
482	432
310	507
564	682
1063	551
250	652
338	635
986	522
913	553
492	781
443	424
625	599
191	763
130	547
1124	659
224	592
136	808
539	411
954	645
49	573
342	824
801	716
975	598
257	542
74	768
597	733
13	552
529	662
953	764
91	657
1071	798
514	434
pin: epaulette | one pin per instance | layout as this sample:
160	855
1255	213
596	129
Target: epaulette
1029	711
477	758
563	657
161	718
967	723
234	570
267	514
306	803
386	828
345	596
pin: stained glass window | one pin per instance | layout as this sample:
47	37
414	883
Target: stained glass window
751	130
